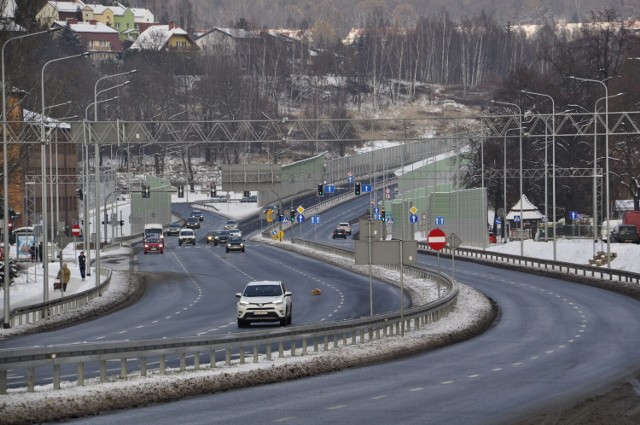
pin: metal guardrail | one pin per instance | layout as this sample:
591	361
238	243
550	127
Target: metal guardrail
602	273
178	350
36	313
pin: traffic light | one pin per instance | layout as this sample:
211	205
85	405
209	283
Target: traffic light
80	194
292	215
121	222
382	215
180	191
146	191
320	190
357	189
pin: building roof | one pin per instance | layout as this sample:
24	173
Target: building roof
529	211
66	6
156	37
88	27
99	9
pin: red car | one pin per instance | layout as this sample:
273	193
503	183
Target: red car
153	245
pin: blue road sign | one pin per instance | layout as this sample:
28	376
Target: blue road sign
516	218
366	187
389	220
413	218
573	215
300	218
439	220
329	188
315	219
283	219
350	179
376	211
498	220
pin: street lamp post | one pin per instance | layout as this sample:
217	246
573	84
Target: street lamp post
521	185
85	202
43	161
97	166
5	177
606	147
553	166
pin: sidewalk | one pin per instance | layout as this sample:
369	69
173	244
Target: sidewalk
28	286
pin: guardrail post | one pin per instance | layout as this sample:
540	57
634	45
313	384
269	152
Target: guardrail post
56	376
143	366
227	356
196	360
326	343
80	373
315	344
293	348
103	370
31	383
123	368
163	364
3	382
183	362
241	354
255	353
212	358
268	351
280	350
304	346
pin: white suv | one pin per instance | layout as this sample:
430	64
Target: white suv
186	236
346	226
264	301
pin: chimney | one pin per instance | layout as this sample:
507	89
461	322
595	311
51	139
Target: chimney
93	22
72	21
172	25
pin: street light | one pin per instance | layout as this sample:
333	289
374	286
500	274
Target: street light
43	161
85	202
96	155
521	188
606	147
553	167
5	176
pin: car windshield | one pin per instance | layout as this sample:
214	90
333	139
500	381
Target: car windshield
186	232
262	291
223	233
235	239
153	240
627	229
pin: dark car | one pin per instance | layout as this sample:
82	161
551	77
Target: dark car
211	236
221	237
153	245
197	214
173	229
625	233
340	233
235	243
193	223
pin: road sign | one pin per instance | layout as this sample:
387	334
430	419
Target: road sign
413	210
573	215
300	209
387	195
413	218
516	218
315	219
350	179
376	210
366	187
436	239
300	218
439	220
75	230
454	241
498	221
329	188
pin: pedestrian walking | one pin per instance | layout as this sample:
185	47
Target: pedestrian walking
40	252
64	275
32	252
82	263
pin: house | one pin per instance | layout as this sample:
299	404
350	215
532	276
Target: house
97	36
54	11
7	17
117	17
527	213
227	41
164	37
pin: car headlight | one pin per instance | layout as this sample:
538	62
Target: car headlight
243	302
278	302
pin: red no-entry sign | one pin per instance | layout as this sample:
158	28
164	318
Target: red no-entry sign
436	239
75	230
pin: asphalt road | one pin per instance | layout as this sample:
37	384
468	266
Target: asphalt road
553	343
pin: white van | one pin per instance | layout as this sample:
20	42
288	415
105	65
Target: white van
603	229
154	230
